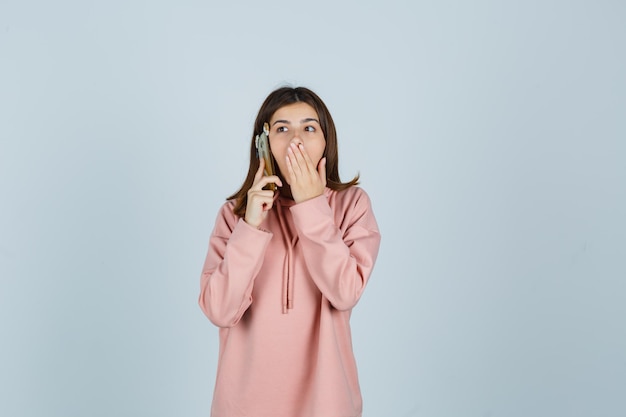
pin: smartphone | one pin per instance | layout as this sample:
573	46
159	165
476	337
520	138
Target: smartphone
263	151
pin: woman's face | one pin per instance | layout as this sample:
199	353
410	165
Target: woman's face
296	123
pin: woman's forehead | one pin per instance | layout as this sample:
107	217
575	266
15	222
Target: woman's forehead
295	112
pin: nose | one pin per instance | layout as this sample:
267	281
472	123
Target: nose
296	140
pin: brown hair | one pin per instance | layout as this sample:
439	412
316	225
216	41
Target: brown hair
280	98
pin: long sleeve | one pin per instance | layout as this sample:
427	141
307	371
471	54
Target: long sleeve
339	247
234	258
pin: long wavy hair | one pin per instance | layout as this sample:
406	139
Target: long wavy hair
280	98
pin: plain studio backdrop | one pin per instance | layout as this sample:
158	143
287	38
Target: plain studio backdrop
490	136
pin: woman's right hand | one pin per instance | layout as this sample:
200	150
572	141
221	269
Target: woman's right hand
260	201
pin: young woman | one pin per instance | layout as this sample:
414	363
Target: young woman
284	270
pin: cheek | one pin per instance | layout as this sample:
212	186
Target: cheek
319	149
277	149
279	153
275	154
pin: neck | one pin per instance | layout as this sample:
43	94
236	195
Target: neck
285	191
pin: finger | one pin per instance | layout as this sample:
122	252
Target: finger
259	171
321	169
263	199
259	203
261	180
267	205
260	193
267	202
264	180
306	158
290	170
293	160
299	156
271	179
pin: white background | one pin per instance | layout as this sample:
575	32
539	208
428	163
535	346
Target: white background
490	136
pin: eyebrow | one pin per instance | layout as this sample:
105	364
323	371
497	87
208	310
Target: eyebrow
307	120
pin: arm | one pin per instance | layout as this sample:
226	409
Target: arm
233	260
339	258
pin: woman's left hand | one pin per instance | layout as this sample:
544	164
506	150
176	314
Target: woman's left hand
305	179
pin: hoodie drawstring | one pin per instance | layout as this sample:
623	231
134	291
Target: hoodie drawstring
288	266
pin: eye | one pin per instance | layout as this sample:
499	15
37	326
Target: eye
309	129
280	129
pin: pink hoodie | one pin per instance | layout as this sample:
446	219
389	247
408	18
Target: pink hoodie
282	296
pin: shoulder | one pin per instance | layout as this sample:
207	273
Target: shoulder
226	218
227	208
